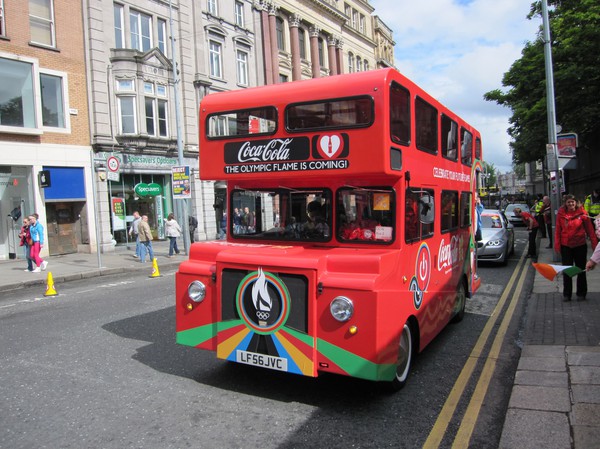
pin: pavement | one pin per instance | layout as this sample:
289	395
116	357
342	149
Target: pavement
555	400
70	267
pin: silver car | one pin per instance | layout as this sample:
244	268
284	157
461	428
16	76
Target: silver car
498	237
510	214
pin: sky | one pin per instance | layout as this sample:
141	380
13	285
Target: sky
457	50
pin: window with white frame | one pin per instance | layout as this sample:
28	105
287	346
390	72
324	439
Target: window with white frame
126	106
156	110
362	24
119	26
140	26
2	24
242	67
366	65
17	94
350	62
215	59
161	34
53	102
32	99
213	7
239	14
359	64
41	22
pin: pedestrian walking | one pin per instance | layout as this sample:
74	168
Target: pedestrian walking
36	230
145	235
134	234
26	242
532	227
595	259
192	225
546	220
173	231
572	226
237	221
223	226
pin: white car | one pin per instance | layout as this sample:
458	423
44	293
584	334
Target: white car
510	214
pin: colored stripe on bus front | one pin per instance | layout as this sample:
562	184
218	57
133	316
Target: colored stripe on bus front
355	365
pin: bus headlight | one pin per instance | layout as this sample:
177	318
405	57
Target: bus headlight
197	291
341	308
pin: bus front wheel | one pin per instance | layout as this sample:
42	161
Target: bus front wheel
405	358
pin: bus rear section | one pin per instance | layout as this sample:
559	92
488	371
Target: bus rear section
349	244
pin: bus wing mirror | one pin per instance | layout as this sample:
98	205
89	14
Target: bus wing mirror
426	209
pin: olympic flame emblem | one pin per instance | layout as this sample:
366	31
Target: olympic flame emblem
261	299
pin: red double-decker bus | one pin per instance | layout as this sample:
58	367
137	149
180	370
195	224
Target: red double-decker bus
350	223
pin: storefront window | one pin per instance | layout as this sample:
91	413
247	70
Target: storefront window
148	194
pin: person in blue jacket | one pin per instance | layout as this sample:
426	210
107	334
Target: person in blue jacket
36	230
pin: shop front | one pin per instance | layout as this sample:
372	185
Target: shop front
148	194
143	184
16	196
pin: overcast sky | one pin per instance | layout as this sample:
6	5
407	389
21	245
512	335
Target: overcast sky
457	50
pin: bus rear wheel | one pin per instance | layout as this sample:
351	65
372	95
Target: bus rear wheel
405	358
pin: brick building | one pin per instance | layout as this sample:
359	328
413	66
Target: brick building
44	126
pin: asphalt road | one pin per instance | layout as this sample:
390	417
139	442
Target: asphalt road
97	367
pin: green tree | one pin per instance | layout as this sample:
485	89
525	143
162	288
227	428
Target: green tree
575	35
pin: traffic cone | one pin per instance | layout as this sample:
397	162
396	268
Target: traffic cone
155	272
50	290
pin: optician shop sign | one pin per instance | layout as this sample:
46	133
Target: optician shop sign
143	189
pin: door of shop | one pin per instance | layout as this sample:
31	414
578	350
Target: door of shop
61	228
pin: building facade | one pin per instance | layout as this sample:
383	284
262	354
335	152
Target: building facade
150	64
214	45
44	127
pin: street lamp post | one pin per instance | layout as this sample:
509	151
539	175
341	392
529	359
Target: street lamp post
181	204
551	149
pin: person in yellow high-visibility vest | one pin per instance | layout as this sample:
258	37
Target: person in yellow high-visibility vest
537	213
592	204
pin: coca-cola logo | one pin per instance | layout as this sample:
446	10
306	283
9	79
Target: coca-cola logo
448	253
273	150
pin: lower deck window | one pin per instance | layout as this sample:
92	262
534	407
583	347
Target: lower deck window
365	214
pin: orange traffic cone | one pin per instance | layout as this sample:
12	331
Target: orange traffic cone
50	290
155	272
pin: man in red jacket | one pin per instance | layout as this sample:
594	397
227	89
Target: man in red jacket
532	227
572	226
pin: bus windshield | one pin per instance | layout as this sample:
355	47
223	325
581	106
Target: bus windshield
363	214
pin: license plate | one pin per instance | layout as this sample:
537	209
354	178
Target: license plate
266	361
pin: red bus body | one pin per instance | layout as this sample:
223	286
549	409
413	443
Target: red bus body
268	289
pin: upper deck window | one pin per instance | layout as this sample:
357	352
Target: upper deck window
449	138
466	147
326	114
242	123
426	126
400	114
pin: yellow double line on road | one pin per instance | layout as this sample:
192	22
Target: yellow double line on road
463	436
